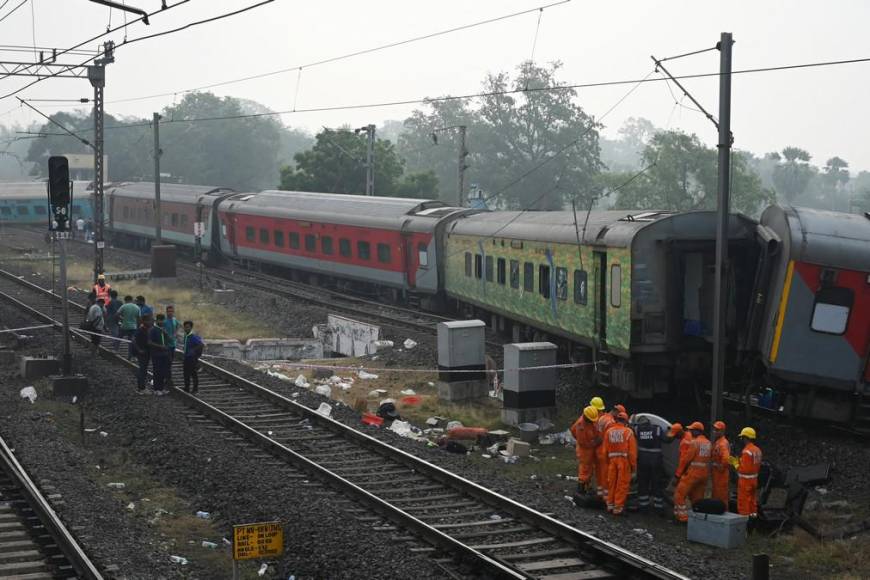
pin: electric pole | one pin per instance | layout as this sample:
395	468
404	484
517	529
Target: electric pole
370	159
97	77
720	314
463	153
158	218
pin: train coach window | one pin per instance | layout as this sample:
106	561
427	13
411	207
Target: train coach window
528	277
310	243
562	283
23	210
423	255
478	266
40	210
831	310
515	274
264	236
344	247
294	240
500	273
363	250
580	289
467	262
249	234
488	264
616	285
326	245
544	280
384	253
278	236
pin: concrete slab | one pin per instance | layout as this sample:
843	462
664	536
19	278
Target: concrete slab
516	416
265	348
37	367
462	390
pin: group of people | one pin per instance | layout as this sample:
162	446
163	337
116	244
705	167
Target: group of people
612	453
153	338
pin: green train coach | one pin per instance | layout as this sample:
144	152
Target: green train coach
632	293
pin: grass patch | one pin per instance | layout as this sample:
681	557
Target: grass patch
802	555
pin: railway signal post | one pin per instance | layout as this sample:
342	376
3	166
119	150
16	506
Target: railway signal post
59	204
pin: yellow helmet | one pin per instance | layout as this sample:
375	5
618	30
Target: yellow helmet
591	413
748	432
598	403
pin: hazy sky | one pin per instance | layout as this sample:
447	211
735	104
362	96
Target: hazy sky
823	110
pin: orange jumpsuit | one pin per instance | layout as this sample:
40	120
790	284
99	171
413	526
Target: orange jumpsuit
102	292
605	421
720	467
621	448
693	472
586	435
747	482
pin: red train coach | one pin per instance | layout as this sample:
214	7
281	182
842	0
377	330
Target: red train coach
385	242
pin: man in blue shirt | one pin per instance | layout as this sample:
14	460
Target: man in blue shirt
171	327
143	308
112	320
157	342
193	347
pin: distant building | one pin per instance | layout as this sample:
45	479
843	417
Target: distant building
81	166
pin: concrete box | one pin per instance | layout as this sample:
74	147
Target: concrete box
518	448
462	390
163	261
530	354
461	344
725	531
36	367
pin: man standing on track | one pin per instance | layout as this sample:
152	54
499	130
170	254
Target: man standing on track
585	433
747	473
649	464
605	420
720	463
95	323
128	318
101	289
693	472
112	317
193	347
142	349
621	449
171	327
157	342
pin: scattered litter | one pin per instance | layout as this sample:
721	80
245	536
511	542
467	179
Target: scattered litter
28	393
402	428
495	517
509	459
432	421
262	570
178	560
203	515
323	390
370	419
486	456
407	392
638	530
366	376
131	506
294	395
301	382
569	498
94	430
454	425
344	386
324	409
74	399
409	344
533	477
103	434
380	344
227	542
117	485
269	433
495	448
544	424
821	491
411	400
431	384
280	376
209	545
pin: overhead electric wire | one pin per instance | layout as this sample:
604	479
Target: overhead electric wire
329	60
8	14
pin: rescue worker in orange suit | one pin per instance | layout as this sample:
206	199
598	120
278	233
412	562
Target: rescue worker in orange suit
720	463
649	464
693	471
747	467
685	438
621	448
102	289
605	420
585	433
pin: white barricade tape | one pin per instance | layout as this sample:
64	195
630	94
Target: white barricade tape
26	328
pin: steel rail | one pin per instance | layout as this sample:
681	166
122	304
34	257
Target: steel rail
596	551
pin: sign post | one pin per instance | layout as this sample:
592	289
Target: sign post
253	541
59	203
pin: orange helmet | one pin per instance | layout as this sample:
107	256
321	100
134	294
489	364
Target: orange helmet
719	426
620	409
675	429
622	416
696	426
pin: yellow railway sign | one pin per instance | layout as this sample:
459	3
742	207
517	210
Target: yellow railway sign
261	540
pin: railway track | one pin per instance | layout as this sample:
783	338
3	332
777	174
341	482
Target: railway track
488	532
34	543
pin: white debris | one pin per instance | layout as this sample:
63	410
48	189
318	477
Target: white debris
103	434
324	409
409	344
301	382
638	530
178	560
131	506
407	392
569	498
117	485
323	390
454	425
374	394
334	380
381	344
294	395
28	393
402	428
209	545
203	515
366	376
432	421
227	542
278	375
74	399
486	456
509	459
495	517
262	570
344	386
821	491
431	384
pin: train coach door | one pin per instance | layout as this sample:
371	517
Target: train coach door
231	232
407	258
600	279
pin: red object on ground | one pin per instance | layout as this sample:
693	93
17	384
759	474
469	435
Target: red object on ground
466	433
411	400
370	419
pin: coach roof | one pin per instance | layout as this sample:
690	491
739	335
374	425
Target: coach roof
169	191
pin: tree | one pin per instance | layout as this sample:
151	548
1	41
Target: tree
682	175
792	177
336	164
